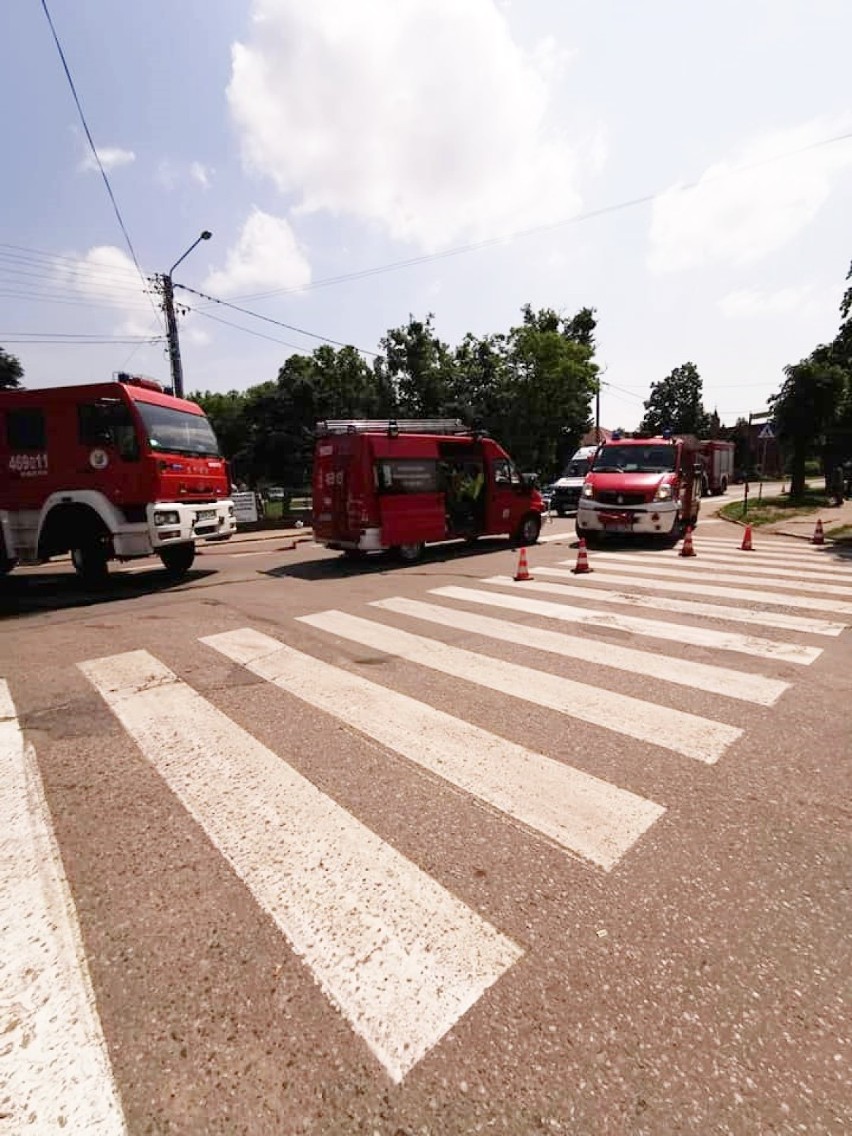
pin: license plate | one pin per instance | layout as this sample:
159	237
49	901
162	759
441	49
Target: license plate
618	527
206	515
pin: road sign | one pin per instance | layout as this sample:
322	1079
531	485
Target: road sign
767	433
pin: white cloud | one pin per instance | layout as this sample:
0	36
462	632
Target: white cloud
266	255
421	116
170	173
738	215
748	302
111	158
200	174
107	277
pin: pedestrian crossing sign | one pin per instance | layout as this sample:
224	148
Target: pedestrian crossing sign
767	433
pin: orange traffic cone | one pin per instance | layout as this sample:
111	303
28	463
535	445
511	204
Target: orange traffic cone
523	572
746	545
819	536
582	564
687	549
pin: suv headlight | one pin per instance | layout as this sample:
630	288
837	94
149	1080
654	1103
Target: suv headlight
588	490
166	517
664	493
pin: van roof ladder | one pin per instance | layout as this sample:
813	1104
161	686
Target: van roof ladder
392	426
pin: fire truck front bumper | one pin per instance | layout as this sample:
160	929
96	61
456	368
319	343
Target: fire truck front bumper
655	517
176	522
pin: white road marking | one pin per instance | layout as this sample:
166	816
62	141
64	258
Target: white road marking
691	607
653	629
702	570
54	1060
771	599
805	561
739	561
702	676
569	535
772	547
687	734
401	957
581	813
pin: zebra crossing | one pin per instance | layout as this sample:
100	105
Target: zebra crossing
395	952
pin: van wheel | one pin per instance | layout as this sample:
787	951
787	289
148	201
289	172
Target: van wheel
177	559
408	553
528	530
91	560
354	554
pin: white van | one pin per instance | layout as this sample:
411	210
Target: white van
565	493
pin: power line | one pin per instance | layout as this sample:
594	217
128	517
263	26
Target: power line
578	218
278	323
94	150
83	341
247	330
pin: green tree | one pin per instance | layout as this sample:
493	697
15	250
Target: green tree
11	371
805	408
676	404
418	367
551	378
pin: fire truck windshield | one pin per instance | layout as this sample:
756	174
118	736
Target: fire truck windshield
178	431
635	459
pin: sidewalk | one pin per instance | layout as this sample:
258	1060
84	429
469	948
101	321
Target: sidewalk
803	526
288	535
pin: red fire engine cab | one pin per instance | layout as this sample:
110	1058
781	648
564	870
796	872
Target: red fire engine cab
108	470
397	485
642	485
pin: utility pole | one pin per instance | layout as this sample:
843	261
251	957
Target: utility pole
172	334
164	283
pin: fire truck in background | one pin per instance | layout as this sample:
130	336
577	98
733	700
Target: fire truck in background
642	485
108	471
718	459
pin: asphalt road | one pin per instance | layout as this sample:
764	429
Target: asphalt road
297	846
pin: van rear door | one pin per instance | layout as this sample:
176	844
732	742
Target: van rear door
332	475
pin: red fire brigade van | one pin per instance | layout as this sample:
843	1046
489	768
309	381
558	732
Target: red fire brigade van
108	470
642	485
400	484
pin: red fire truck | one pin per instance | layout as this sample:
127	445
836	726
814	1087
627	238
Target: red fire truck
108	471
718	458
642	485
398	485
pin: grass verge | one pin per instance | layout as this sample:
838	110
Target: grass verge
768	510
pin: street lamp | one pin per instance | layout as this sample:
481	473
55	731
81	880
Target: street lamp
171	321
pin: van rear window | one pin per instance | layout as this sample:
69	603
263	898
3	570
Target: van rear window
407	475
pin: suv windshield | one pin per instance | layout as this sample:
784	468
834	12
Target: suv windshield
178	431
635	459
576	469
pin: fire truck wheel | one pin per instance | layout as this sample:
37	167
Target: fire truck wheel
528	530
354	554
410	552
91	560
177	559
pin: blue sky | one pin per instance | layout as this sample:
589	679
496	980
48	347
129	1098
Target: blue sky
324	139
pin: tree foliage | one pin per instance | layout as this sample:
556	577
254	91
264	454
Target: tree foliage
531	388
804	409
676	404
813	409
11	371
